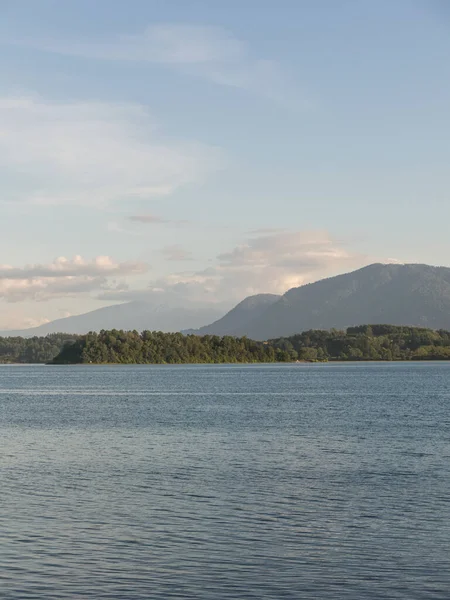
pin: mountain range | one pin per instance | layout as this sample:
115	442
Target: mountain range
130	315
410	294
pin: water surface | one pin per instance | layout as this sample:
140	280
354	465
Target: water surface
225	482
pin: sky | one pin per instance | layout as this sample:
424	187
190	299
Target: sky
206	151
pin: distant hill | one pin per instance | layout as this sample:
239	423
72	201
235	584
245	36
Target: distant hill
239	317
412	294
129	316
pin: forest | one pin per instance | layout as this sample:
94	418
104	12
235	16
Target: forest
367	342
34	349
362	343
155	347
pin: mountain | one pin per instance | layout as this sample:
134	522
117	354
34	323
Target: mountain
239	317
129	316
410	294
413	294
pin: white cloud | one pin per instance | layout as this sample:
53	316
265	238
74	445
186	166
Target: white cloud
302	251
92	153
393	261
265	263
274	263
212	53
64	277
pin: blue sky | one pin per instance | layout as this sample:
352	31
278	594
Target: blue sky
208	150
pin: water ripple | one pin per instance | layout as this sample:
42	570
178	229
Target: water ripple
223	483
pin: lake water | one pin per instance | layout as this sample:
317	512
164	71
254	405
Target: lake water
225	482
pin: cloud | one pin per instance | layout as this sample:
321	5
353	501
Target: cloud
116	227
155	220
164	43
176	253
272	263
267	263
19	321
92	153
64	277
150	219
309	250
207	52
262	230
64	267
393	261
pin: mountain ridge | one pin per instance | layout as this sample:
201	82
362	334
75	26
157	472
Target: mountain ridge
245	311
413	294
137	315
409	294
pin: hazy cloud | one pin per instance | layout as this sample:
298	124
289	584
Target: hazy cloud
64	267
264	230
164	43
64	277
176	253
308	250
116	227
207	52
155	220
266	263
145	220
92	153
272	262
150	219
17	320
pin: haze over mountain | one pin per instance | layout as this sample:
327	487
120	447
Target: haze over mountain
131	315
411	294
240	316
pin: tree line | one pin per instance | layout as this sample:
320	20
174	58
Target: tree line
365	342
34	349
155	347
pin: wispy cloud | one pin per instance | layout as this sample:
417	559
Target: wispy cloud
148	219
163	43
117	227
155	220
211	53
265	230
92	153
124	225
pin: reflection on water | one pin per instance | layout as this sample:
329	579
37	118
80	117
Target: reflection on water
215	482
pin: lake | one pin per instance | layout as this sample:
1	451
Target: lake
328	481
